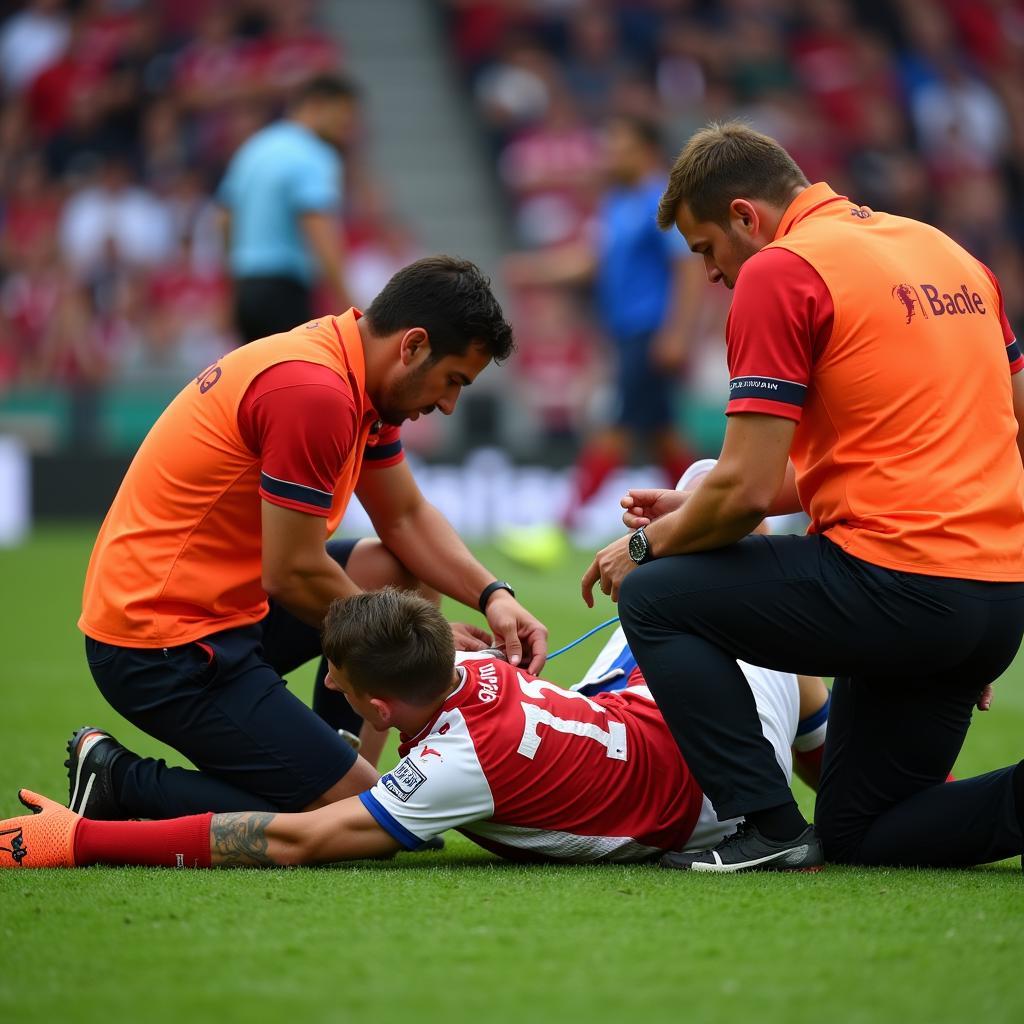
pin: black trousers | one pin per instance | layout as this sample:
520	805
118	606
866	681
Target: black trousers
910	654
270	305
222	702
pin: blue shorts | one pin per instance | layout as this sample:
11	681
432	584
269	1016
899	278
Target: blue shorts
644	394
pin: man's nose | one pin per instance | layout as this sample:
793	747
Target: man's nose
448	401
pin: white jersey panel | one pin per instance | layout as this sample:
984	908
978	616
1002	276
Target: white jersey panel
438	785
566	846
777	695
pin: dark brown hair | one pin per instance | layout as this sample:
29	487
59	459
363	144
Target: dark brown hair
451	300
723	162
391	643
326	87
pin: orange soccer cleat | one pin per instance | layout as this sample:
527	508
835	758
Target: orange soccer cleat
43	839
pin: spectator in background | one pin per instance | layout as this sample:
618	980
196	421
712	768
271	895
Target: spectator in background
115	214
648	292
281	196
550	169
32	40
556	366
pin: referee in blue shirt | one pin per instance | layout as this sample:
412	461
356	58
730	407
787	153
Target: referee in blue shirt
281	201
648	289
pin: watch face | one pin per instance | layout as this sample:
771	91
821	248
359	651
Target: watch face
638	547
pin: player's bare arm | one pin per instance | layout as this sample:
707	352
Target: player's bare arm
297	571
339	832
572	264
743	487
674	339
427	545
324	237
48	837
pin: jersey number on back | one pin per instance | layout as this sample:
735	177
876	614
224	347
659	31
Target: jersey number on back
613	739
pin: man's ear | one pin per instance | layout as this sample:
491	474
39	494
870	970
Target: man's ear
745	216
415	343
383	708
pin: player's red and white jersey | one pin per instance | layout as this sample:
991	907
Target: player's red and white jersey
527	769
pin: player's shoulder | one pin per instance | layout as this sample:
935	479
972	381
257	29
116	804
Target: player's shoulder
487	676
775	275
483	679
774	263
309	390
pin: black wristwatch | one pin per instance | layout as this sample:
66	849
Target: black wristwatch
485	594
640	547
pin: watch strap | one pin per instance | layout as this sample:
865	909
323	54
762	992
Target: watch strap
485	594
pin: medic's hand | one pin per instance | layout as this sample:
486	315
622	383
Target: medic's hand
610	566
470	638
644	505
522	636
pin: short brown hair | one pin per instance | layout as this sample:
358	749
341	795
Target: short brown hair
723	162
391	643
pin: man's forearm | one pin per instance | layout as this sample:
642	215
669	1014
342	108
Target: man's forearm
323	235
787	501
428	546
240	839
307	593
337	832
714	517
689	283
333	274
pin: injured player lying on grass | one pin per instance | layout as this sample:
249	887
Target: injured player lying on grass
522	767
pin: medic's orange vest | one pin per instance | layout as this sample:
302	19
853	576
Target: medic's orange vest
906	454
179	554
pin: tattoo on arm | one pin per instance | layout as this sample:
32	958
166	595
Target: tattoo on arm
239	839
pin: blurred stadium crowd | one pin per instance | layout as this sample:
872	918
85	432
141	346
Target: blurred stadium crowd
119	116
117	120
910	106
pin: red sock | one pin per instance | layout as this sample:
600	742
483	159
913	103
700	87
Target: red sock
174	843
809	764
592	469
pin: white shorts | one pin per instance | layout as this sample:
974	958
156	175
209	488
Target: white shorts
776	694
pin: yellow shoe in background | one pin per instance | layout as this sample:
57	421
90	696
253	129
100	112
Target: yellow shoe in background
539	547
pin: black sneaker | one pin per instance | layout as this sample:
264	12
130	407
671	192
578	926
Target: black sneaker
91	754
747	850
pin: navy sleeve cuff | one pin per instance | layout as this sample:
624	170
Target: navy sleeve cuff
395	829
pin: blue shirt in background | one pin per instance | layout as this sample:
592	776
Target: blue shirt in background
636	261
278	174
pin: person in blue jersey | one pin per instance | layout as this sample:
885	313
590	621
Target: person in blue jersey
647	289
281	200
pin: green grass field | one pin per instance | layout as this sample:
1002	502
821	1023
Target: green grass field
458	935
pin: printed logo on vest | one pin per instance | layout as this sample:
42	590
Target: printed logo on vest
907	295
208	378
937	303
